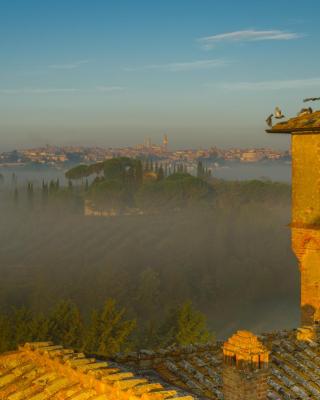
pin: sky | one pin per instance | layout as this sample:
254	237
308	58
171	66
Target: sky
112	72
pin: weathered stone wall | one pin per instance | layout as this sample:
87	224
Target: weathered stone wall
306	245
305	179
306	221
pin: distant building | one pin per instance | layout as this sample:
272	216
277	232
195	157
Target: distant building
165	142
251	156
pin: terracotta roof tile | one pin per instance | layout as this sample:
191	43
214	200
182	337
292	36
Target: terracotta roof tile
41	371
303	123
294	367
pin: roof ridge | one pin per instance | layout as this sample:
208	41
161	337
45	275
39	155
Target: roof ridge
176	351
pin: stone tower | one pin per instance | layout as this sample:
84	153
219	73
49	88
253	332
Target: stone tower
305	224
165	142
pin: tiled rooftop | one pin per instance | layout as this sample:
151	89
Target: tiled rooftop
41	371
303	123
294	367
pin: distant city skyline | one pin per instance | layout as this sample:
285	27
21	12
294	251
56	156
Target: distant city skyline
59	156
109	73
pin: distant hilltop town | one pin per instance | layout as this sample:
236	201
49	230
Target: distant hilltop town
59	156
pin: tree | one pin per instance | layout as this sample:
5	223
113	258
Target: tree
148	292
54	186
14	179
30	194
21	326
5	333
200	170
146	166
44	193
109	330
180	169
79	172
139	172
65	324
165	170
40	328
192	326
160	174
146	303
184	325
96	168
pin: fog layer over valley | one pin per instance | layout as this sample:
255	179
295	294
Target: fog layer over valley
230	256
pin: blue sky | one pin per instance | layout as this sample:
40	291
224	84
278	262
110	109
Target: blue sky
112	72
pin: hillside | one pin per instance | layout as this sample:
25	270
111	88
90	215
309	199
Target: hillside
231	258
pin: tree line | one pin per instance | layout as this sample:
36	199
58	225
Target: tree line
109	330
122	182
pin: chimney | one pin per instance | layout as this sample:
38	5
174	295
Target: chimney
246	368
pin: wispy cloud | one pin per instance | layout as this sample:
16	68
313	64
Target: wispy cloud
252	35
109	89
180	66
38	91
272	85
72	65
48	91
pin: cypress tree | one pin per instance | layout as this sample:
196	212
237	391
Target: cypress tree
65	324
165	170
184	325
30	194
139	172
109	330
44	193
160	174
200	170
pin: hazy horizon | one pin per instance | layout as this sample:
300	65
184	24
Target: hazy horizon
110	74
284	145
